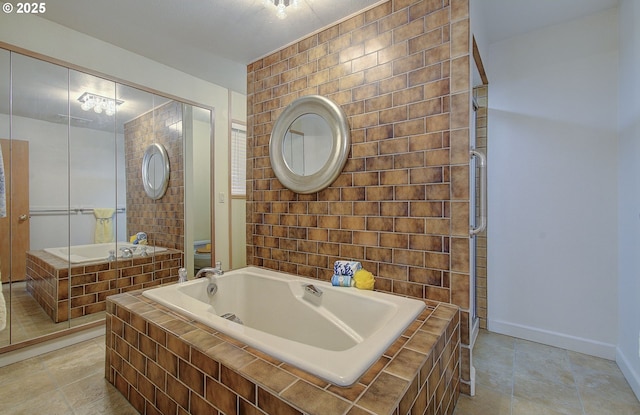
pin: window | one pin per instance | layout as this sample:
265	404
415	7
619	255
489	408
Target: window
238	160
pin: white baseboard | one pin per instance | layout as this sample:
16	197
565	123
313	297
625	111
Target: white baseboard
631	375
564	341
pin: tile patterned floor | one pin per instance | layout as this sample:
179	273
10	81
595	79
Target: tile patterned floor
514	377
68	381
518	377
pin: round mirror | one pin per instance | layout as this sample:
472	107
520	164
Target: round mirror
309	144
155	171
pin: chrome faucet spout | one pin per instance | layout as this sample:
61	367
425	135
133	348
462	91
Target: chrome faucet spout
310	288
210	270
204	272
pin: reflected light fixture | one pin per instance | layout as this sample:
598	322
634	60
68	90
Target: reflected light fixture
98	103
281	6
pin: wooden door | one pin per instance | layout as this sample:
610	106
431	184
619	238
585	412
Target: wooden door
14	229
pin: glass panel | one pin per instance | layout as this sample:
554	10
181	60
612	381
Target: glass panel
135	132
201	195
40	202
93	194
5	247
81	184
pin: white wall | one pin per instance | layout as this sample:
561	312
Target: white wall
629	195
552	256
52	150
50	39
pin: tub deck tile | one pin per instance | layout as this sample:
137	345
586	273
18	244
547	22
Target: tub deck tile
314	400
419	373
381	396
269	376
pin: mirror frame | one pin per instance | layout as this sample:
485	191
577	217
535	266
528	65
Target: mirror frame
341	143
153	150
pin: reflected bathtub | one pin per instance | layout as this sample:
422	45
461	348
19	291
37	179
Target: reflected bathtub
336	336
99	252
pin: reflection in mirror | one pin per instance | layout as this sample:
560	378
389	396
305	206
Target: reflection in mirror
75	196
199	246
5	286
307	144
155	171
40	129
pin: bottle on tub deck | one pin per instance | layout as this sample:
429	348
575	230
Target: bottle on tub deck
182	275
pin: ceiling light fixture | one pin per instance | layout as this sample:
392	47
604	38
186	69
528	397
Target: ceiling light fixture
98	103
281	6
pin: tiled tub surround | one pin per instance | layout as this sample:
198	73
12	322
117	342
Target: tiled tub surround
66	292
401	73
165	363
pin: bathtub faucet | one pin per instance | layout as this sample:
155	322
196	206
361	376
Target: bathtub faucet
209	270
310	288
126	252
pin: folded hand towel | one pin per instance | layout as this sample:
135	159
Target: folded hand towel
104	225
346	267
341	280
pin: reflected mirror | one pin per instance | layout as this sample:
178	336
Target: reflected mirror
155	171
309	144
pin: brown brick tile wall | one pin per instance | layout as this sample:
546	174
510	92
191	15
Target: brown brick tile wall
400	71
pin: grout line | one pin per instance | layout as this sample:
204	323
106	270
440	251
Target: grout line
575	383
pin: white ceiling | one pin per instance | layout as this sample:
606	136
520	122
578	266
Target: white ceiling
506	18
195	35
192	35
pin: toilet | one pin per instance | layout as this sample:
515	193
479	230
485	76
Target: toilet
201	254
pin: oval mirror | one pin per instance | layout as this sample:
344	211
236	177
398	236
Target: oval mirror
155	171
309	144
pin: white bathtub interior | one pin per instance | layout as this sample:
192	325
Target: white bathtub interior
100	252
335	336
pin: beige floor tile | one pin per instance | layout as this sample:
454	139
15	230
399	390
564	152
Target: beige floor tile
542	363
561	398
606	386
26	389
21	370
52	403
527	407
88	390
601	406
110	405
486	401
495	370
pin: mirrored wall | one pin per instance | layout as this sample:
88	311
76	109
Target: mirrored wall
80	224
